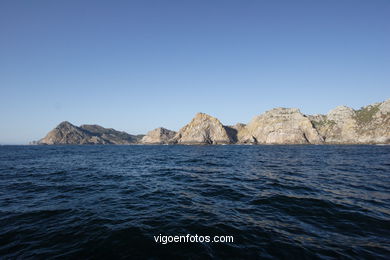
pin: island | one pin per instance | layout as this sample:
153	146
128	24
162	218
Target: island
342	125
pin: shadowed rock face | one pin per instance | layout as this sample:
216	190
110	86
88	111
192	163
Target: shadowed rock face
280	126
158	136
203	129
111	135
343	125
66	133
242	135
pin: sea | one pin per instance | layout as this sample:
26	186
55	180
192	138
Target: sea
163	202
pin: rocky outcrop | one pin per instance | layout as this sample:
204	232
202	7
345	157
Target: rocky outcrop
344	125
158	136
339	124
203	129
280	126
66	133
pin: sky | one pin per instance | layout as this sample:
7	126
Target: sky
138	65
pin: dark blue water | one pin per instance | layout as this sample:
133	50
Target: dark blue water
284	202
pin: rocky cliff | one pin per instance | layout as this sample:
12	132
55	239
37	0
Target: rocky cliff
66	133
203	129
280	126
344	125
158	136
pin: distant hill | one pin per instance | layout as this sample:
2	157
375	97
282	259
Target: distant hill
66	133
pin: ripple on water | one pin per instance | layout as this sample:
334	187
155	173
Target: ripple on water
277	201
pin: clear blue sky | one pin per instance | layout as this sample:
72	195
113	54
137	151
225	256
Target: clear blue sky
138	65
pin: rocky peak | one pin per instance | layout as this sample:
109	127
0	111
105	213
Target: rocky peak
159	135
203	129
282	110
66	133
204	117
369	124
340	113
65	125
283	126
384	107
